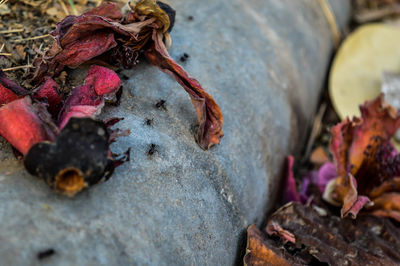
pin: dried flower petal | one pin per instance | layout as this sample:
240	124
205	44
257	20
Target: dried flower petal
6	95
290	190
208	113
21	126
51	92
87	100
387	205
276	230
11	85
361	153
103	80
391	185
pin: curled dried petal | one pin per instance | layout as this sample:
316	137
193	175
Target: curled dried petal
21	126
352	202
208	112
274	228
51	92
391	185
291	193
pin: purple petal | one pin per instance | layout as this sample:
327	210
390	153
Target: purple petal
291	193
326	173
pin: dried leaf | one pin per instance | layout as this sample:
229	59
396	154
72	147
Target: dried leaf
50	91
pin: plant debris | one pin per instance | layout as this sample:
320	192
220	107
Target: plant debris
53	126
305	237
366	162
105	35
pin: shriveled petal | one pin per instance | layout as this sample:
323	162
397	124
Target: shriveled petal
108	10
391	185
290	190
387	205
11	85
51	92
352	202
85	48
208	112
379	122
274	228
88	100
103	80
326	173
353	140
21	126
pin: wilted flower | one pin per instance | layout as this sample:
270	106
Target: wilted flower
367	164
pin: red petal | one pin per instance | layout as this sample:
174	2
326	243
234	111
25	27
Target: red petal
6	95
20	125
50	91
108	10
104	80
11	85
85	48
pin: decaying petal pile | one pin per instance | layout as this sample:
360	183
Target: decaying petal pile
107	36
57	133
367	164
365	174
58	137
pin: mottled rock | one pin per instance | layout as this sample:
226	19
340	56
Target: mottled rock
264	61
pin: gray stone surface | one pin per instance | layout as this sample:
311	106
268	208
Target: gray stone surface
264	61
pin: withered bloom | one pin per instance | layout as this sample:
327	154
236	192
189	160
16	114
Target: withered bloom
367	165
79	155
104	34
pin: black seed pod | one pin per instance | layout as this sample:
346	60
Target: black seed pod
78	158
